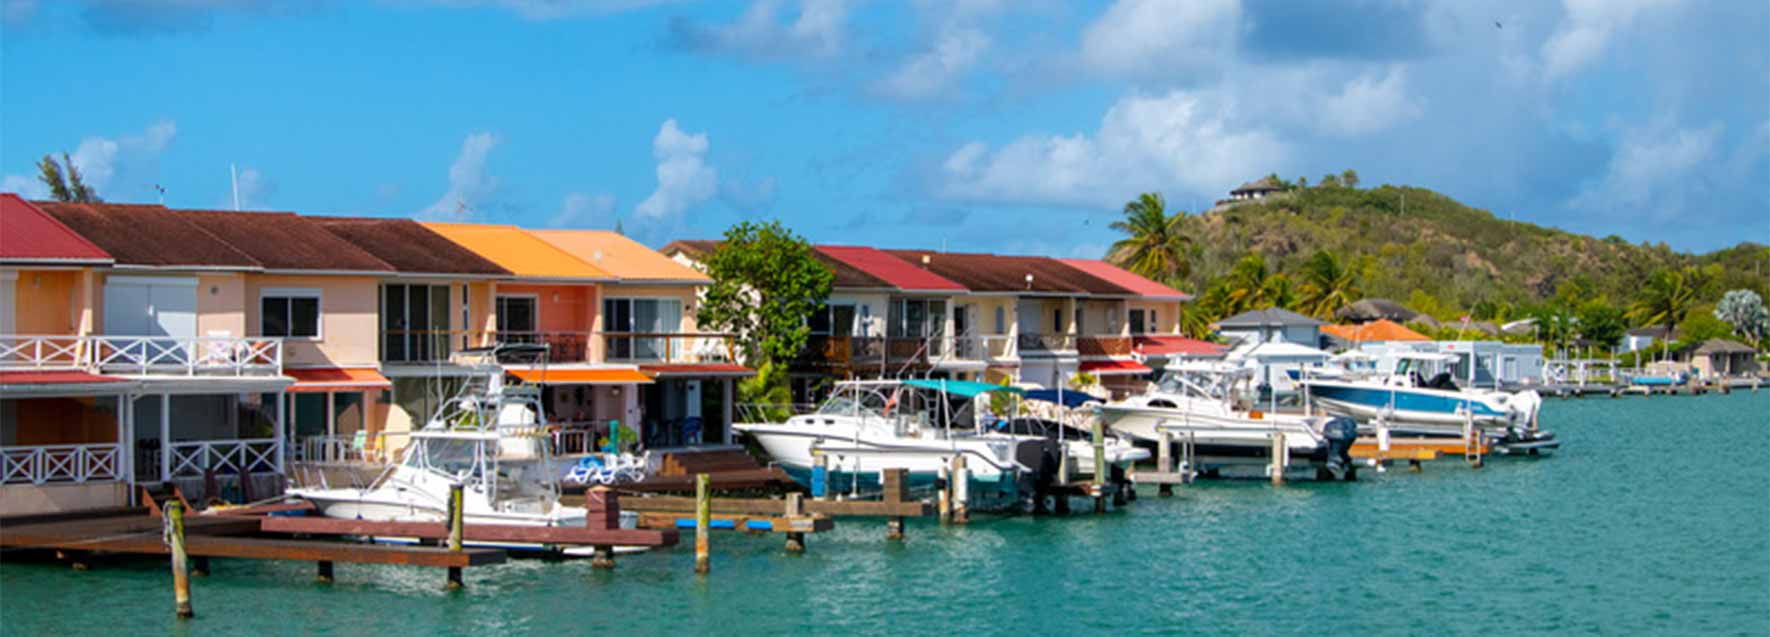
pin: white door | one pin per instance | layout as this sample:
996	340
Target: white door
150	306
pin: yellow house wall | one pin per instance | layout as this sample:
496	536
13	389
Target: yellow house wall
349	319
221	305
1167	315
47	302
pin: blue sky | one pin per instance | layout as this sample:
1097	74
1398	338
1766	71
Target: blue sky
971	124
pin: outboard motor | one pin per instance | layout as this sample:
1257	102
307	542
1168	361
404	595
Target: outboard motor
1042	457
1341	432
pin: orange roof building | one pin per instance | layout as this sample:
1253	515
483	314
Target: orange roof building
626	259
1373	332
522	253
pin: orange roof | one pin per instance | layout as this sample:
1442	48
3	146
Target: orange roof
1375	331
625	258
326	379
581	376
515	250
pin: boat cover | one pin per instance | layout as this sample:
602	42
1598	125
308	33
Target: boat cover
961	388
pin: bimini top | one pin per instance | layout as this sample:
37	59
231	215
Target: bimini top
626	259
961	388
1067	397
523	254
29	235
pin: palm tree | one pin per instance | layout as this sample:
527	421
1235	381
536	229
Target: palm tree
1250	286
64	180
1666	299
1155	248
1328	285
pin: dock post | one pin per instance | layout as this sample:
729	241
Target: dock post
1278	465
820	477
602	510
199	567
181	583
795	510
1100	470
457	529
961	491
703	521
1164	463
323	572
943	499
894	482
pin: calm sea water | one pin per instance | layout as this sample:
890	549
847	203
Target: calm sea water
1655	518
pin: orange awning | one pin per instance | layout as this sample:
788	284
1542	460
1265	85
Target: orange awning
324	379
581	376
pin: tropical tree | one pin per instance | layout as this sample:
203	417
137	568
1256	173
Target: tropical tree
1744	310
1667	298
1251	286
64	180
1601	323
1155	247
1556	327
1328	284
1349	177
766	284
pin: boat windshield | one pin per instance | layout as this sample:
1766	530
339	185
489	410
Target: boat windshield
842	404
445	456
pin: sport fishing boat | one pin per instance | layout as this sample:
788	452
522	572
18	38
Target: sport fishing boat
919	425
486	438
1199	403
1409	402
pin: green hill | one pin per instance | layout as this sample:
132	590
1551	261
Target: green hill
1460	258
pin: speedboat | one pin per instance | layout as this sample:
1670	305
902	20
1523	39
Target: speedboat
1198	404
1407	402
488	439
918	425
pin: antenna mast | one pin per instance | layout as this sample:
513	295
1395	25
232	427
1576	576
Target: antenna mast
234	177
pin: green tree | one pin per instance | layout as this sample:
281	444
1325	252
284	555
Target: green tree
1555	327
768	392
1251	286
64	180
1155	247
1744	310
1349	177
1667	297
766	284
1328	284
1330	180
1601	323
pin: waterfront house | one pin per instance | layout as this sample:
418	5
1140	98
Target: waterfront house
1720	358
647	319
1270	325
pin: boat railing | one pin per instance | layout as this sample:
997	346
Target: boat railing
772	412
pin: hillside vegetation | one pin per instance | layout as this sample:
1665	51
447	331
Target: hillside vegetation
1440	255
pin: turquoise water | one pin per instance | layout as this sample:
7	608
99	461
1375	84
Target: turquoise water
1655	518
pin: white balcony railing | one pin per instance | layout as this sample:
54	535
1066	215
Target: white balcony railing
250	455
145	355
60	463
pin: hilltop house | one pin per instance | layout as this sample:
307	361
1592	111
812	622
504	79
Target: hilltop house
1257	189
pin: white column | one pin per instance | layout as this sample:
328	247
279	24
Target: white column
280	424
165	437
126	440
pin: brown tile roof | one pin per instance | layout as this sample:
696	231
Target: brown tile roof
847	276
283	241
408	246
141	234
999	273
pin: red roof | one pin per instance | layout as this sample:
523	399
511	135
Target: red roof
29	234
900	273
703	369
1126	279
1114	368
56	377
1175	346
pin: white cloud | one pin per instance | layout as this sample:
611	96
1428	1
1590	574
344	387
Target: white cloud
469	185
684	178
1161	37
1369	102
818	31
1587	28
931	71
581	210
1655	168
101	160
1181	140
27	187
254	188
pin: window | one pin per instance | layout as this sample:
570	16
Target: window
1139	324
1112	320
647	317
833	320
414	322
517	314
1001	320
1057	321
916	318
289	313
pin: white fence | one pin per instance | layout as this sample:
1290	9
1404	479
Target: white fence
145	355
60	463
251	455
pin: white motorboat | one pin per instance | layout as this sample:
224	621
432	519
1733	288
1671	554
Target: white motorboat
866	427
1418	398
489	440
1199	404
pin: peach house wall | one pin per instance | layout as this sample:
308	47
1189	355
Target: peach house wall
349	319
1167	315
563	308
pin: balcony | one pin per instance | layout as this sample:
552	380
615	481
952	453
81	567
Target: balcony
144	355
562	347
1104	346
1045	343
407	347
682	348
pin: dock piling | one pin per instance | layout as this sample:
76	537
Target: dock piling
457	529
1278	463
703	522
895	492
961	491
944	497
323	572
1100	470
1164	462
181	583
794	511
199	566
